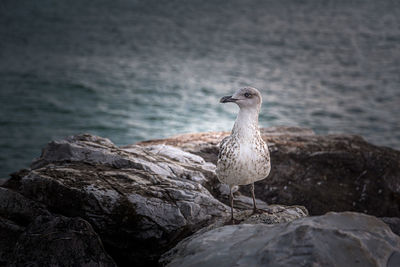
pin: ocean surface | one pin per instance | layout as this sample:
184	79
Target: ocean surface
136	70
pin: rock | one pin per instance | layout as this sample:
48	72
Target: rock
394	224
9	233
141	201
30	235
15	207
322	173
280	214
334	239
16	213
60	241
277	214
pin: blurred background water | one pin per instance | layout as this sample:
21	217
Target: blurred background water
135	70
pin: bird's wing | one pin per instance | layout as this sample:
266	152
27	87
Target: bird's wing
222	146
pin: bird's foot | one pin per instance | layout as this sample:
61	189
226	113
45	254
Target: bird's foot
260	211
232	222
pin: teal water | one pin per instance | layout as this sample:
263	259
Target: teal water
136	70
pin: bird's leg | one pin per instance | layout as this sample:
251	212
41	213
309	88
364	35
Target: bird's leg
255	210
232	221
231	196
254	198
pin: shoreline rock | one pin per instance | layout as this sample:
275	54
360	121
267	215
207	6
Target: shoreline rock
134	203
30	235
334	239
140	201
321	172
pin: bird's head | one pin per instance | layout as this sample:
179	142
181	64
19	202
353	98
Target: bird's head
247	97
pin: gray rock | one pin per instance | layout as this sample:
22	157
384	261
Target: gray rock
334	239
9	234
15	207
279	214
323	173
276	214
60	241
16	212
30	235
141	201
394	224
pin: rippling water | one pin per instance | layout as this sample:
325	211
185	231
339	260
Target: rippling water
135	70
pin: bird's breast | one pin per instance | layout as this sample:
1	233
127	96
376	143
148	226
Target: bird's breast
245	161
253	158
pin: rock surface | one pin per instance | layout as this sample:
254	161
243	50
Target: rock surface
393	223
108	205
322	173
140	201
334	239
60	241
31	236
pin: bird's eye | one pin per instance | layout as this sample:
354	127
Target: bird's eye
247	95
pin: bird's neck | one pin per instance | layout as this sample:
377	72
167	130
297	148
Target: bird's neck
246	124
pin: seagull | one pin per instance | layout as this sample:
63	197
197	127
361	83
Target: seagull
243	156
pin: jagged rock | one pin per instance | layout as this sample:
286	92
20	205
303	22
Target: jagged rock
334	239
394	224
322	173
279	214
60	241
16	213
139	200
15	207
9	233
32	236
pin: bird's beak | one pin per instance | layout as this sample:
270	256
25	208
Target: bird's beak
227	99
